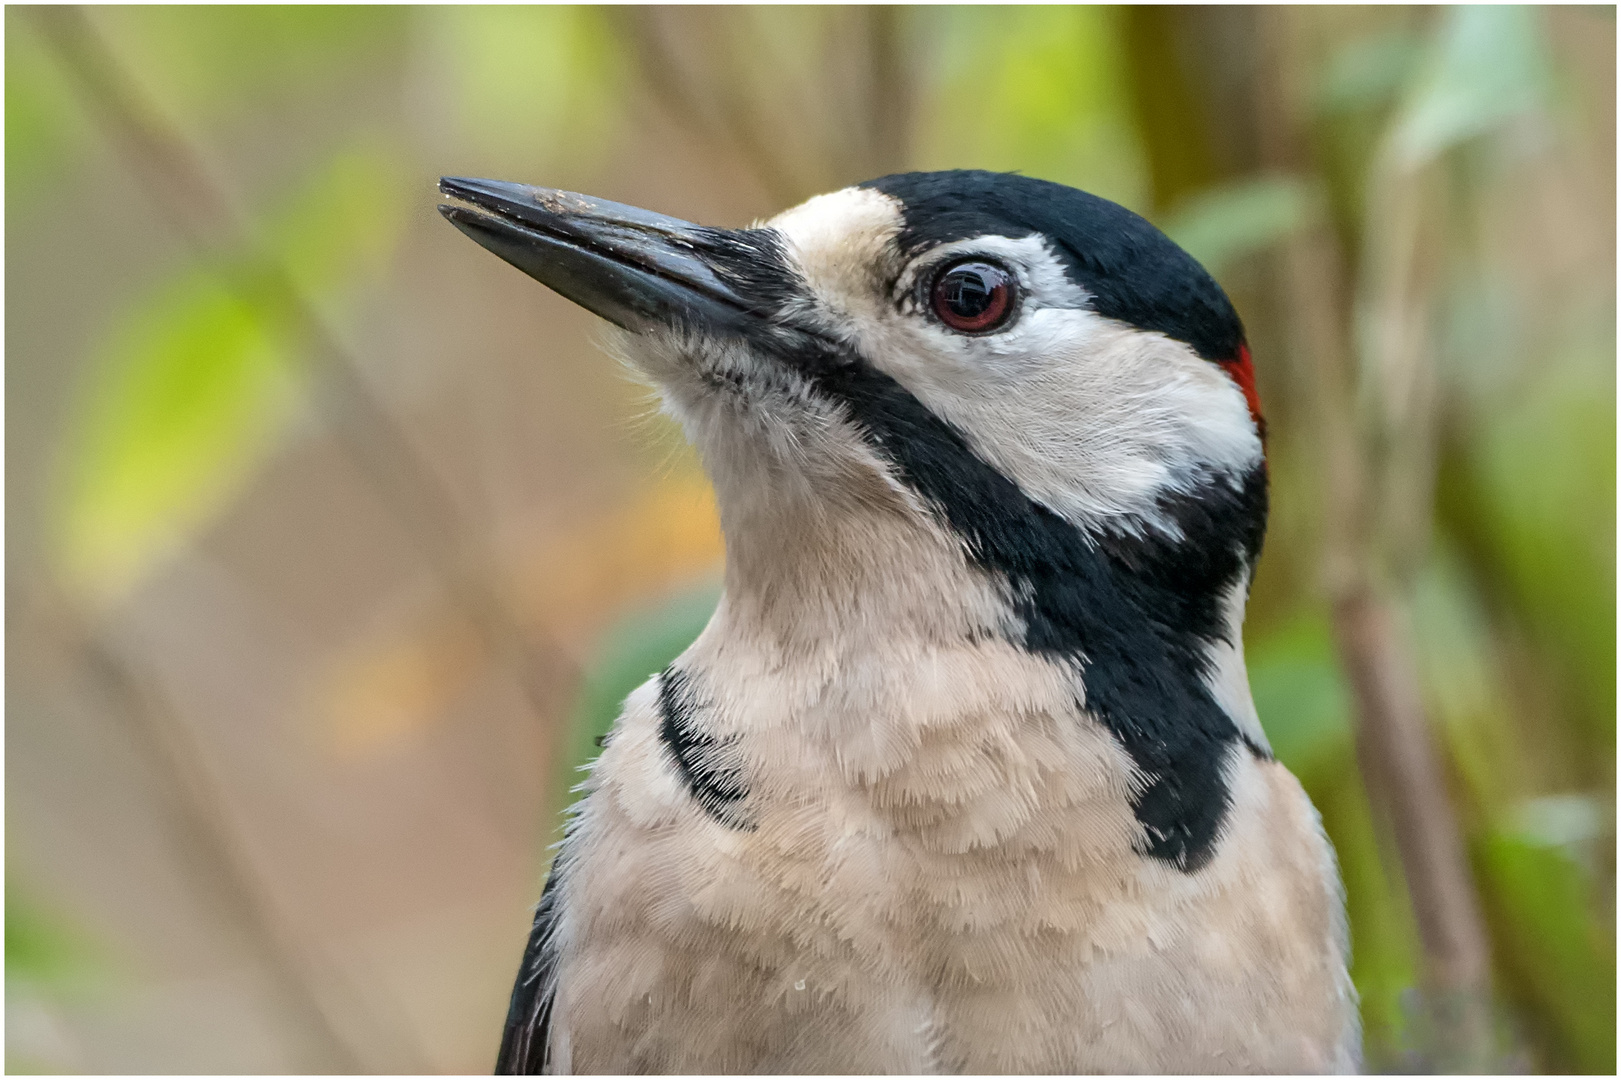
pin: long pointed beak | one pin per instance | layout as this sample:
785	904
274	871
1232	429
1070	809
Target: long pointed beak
635	268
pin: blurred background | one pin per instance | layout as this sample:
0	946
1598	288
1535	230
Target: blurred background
332	541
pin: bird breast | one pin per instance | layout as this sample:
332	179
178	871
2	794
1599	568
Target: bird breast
938	868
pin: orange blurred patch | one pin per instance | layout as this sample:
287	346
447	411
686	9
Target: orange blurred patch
564	591
574	584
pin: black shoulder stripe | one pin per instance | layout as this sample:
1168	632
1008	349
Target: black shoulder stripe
1135	612
526	1044
713	775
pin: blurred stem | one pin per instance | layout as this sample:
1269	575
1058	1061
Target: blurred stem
174	178
199	818
1370	543
661	69
1396	747
1170	111
863	81
892	106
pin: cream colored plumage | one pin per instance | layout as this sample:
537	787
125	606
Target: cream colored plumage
868	822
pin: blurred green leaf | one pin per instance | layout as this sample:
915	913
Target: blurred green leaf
1224	224
343	223
633	650
1461	673
529	87
1367	73
196	60
189	392
1547	467
185	396
202	61
1034	89
1570	821
1561	957
1488	64
43	126
42	949
1361	83
1301	695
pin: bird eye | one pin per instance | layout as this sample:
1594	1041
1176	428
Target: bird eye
972	296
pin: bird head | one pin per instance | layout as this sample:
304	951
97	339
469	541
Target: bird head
1021	392
1064	340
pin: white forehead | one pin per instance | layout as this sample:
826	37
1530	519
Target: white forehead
822	226
840	237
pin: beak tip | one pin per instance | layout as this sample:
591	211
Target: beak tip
462	218
633	267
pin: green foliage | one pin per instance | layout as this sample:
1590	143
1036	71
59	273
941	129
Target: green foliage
1301	696
188	394
1558	956
1488	64
1221	225
202	64
1038	90
528	89
190	389
1367	72
50	962
1352	99
341	225
633	650
43	127
1513	611
1546	467
44	953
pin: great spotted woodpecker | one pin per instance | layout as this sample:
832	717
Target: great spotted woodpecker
964	775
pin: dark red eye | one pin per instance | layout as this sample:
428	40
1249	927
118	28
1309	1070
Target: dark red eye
972	296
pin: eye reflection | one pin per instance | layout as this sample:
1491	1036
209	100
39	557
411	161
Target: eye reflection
972	296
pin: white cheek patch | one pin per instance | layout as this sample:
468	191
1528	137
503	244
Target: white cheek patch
1091	418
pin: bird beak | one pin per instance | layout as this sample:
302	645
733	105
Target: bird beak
635	268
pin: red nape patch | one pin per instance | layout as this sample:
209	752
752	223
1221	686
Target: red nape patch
1242	371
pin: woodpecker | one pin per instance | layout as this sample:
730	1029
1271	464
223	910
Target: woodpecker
964	774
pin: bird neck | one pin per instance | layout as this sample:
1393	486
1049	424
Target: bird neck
826	581
1141	627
